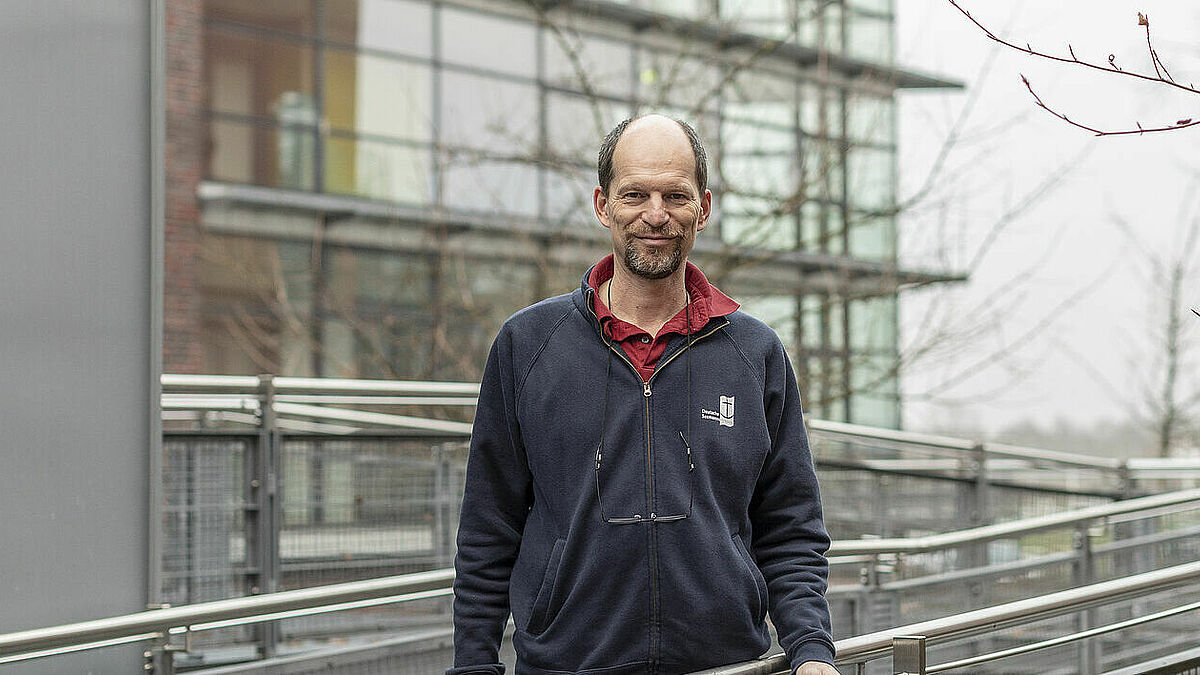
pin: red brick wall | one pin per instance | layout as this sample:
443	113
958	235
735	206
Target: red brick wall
185	148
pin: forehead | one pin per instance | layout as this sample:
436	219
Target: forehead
653	148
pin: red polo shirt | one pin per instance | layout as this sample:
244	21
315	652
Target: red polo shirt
643	349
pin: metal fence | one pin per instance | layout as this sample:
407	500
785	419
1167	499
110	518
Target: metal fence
283	483
1171	594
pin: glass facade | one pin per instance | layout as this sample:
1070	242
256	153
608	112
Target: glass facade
491	112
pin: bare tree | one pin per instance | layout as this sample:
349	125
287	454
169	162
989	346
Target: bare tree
1167	393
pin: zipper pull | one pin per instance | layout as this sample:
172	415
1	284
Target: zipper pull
646	389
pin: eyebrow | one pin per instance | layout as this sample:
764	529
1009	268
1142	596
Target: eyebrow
670	187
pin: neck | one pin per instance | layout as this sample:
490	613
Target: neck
645	303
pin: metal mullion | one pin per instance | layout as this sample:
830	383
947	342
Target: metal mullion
319	97
226	27
375	52
436	67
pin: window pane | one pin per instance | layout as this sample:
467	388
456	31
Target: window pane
820	24
576	125
679	81
820	110
871	119
490	186
261	155
383	296
479	295
606	65
771	18
283	15
878	6
873	237
377	96
872	183
758	97
873	325
473	39
869	38
484	112
821	163
756	223
569	197
380	170
400	26
256	76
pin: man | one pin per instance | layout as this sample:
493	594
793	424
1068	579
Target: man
639	489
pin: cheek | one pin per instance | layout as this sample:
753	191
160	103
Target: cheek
689	213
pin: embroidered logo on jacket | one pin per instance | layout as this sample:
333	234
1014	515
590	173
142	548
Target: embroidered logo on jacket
724	417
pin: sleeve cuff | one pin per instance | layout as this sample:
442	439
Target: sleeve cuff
484	669
812	650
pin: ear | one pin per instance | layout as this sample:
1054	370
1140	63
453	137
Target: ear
705	210
600	205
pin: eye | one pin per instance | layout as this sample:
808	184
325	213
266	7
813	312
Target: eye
679	196
633	194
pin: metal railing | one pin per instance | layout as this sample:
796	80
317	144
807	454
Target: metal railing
273	483
885	582
857	651
159	626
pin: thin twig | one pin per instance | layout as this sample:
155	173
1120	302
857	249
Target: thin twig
1112	68
1161	76
1180	124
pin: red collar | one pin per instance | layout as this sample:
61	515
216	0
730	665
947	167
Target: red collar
707	301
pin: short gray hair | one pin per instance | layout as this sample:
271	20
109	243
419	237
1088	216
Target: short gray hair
608	147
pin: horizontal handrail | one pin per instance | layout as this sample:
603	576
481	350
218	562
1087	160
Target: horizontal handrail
273	606
247	384
874	645
234	609
1063	639
206	393
935	542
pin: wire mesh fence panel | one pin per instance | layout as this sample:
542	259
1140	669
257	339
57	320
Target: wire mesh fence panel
203	515
363	507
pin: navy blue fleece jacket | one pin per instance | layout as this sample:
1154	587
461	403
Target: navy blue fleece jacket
588	596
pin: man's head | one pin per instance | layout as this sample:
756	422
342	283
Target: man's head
652	194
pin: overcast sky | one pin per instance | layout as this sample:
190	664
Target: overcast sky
1062	263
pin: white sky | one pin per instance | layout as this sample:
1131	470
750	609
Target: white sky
1089	364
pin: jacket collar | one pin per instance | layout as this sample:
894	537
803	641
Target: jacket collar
717	304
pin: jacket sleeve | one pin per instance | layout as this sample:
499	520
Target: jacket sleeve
496	501
789	538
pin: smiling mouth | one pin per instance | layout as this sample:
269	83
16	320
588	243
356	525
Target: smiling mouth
657	241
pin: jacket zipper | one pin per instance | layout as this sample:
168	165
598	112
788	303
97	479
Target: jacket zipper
646	394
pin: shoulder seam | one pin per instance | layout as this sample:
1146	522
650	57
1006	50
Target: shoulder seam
537	354
762	385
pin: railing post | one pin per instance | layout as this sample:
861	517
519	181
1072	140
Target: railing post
265	526
1126	483
908	655
160	657
1089	650
443	534
980	515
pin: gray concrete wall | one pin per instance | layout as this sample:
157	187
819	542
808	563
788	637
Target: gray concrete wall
77	317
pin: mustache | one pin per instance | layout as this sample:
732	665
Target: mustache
665	232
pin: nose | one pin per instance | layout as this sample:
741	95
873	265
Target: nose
656	212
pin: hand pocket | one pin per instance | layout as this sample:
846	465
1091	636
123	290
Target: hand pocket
539	615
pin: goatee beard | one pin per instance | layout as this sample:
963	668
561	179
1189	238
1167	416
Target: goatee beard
650	266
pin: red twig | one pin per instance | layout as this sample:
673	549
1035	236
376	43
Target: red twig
1161	75
1181	124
